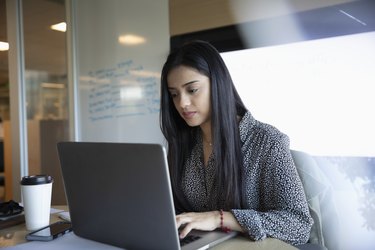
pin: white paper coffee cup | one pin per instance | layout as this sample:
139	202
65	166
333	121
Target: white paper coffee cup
36	198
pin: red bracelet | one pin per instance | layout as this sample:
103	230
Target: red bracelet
224	229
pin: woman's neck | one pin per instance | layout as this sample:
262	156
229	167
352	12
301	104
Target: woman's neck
206	133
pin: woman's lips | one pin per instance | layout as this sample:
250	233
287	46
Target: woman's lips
188	115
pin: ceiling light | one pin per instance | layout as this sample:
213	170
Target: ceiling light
59	26
131	39
52	85
4	46
144	73
131	93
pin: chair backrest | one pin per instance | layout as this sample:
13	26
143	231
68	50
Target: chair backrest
320	199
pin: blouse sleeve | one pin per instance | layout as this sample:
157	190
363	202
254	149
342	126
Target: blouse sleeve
283	211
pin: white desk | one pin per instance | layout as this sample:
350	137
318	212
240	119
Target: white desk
14	237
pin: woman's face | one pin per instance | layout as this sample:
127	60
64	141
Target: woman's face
190	91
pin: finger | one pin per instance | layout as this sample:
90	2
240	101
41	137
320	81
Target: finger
183	219
186	230
179	222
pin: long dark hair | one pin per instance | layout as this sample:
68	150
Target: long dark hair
226	106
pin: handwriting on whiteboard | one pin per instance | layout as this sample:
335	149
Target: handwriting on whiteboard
121	91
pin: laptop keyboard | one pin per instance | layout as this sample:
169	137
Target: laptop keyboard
188	239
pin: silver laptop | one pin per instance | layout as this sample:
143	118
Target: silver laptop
120	194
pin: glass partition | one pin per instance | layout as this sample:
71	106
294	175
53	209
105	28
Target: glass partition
46	88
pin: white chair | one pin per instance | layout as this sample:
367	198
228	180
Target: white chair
318	190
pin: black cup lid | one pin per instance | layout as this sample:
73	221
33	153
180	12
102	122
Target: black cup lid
36	179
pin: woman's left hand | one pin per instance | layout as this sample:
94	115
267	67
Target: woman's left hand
206	221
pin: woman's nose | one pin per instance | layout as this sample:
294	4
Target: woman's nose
184	101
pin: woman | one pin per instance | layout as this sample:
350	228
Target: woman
227	169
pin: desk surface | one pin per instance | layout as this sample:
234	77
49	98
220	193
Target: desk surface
15	235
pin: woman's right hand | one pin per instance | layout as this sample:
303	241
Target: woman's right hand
205	221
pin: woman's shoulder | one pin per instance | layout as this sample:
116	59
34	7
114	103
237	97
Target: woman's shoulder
251	129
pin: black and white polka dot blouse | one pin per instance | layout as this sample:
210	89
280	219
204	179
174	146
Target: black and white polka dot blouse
275	203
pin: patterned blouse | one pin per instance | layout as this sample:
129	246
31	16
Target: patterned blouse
275	203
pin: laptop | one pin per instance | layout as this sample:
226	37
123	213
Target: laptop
120	194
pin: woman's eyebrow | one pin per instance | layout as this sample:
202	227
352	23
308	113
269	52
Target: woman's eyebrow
185	84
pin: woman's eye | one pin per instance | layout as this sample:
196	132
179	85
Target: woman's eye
173	95
193	90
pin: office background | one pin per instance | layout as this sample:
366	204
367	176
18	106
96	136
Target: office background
47	97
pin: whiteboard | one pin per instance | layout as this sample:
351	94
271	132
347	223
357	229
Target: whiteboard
121	46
